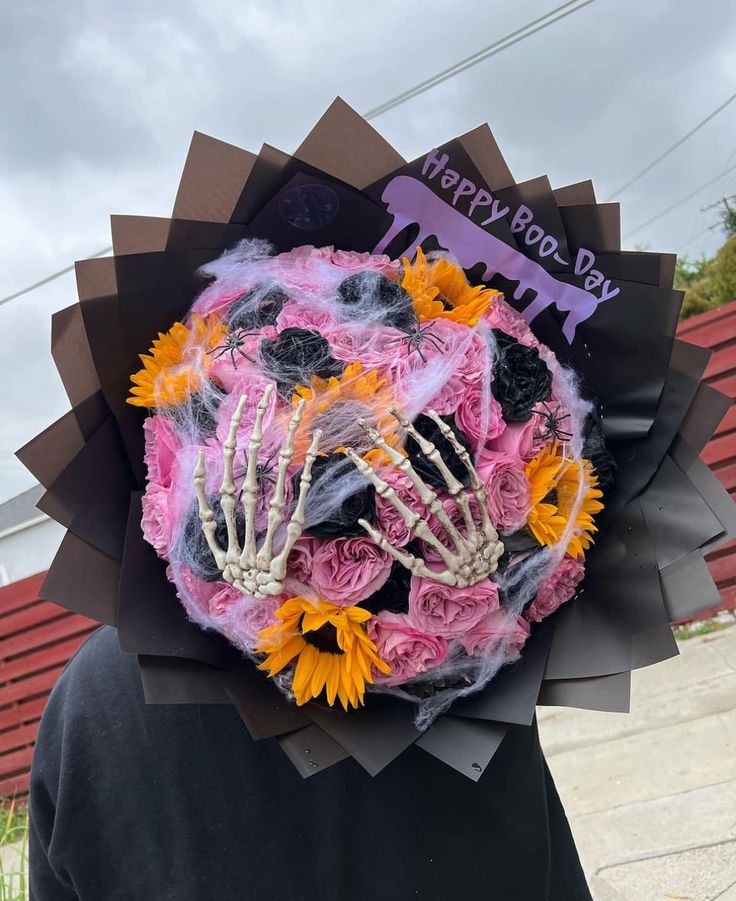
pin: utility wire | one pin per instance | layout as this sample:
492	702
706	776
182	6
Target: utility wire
669	150
679	202
696	238
491	50
50	278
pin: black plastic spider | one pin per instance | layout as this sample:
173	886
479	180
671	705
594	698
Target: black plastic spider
550	421
415	335
233	343
265	478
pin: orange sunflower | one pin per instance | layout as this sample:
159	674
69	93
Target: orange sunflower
434	287
555	481
332	650
335	405
176	365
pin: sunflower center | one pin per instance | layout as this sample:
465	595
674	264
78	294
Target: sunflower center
324	639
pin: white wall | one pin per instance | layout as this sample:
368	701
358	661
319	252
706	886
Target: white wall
29	550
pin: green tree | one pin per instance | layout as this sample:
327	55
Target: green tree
708	283
728	216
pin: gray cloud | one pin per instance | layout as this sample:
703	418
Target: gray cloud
100	100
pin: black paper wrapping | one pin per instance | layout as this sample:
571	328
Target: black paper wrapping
666	510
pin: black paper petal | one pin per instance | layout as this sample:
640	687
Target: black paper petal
521	378
198	555
369	291
393	595
342	522
296	355
429	429
595	450
257	308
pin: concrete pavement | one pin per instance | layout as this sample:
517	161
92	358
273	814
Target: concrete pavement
651	795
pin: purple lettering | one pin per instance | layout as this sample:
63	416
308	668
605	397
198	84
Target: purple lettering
534	234
497	212
482	198
450	179
583	261
522	217
435	163
464	189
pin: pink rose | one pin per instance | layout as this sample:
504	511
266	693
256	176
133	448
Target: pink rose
252	385
504	317
303	315
516	441
556	589
354	260
465	348
351	341
509	493
448	398
479	415
299	566
450	612
405	648
157	522
248	617
224	599
498	626
162	446
194	593
453	357
388	519
218	300
348	570
455	515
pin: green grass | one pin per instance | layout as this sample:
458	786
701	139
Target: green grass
704	628
13	860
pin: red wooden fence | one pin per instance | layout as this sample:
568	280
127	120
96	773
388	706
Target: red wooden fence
717	331
36	640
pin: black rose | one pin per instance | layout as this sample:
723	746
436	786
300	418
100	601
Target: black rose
257	308
521	378
366	293
521	545
294	356
197	419
330	473
393	595
429	429
595	450
194	550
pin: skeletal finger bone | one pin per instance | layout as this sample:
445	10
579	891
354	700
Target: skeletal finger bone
472	556
258	573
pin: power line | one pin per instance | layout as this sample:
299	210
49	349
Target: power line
696	238
669	150
679	202
50	278
491	50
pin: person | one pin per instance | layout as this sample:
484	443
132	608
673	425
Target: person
177	803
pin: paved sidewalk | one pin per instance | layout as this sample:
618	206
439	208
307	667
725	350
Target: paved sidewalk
651	795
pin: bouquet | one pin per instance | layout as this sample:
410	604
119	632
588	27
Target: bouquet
381	453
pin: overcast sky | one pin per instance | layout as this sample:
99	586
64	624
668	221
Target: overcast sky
100	99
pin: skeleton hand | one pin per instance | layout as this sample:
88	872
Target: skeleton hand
476	553
256	573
